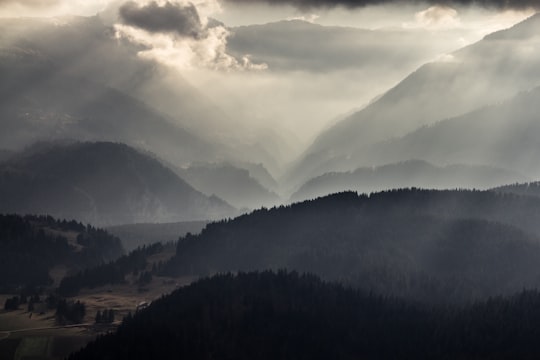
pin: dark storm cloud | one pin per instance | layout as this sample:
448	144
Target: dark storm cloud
183	20
307	4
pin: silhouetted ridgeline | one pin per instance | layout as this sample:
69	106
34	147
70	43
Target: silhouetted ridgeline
476	76
288	316
428	245
100	182
31	245
233	184
412	173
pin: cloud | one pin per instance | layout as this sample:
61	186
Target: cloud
180	35
436	17
51	8
182	19
310	4
30	3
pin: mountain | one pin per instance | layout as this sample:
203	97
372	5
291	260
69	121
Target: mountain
136	235
290	316
232	184
413	173
259	173
31	246
487	72
427	245
103	183
503	135
44	104
292	45
70	77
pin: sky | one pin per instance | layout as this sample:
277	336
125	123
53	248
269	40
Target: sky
295	84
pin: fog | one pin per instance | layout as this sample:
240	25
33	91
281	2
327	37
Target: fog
303	88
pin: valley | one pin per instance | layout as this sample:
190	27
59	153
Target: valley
278	180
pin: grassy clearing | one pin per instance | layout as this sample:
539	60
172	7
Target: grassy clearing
20	320
40	340
125	298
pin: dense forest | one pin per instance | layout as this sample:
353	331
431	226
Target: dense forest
113	272
427	245
31	245
289	316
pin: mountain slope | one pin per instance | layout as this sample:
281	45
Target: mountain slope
481	74
503	135
43	105
105	183
31	246
287	316
71	77
232	184
429	245
413	173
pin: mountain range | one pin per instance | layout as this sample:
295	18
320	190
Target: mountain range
426	245
412	173
459	85
102	183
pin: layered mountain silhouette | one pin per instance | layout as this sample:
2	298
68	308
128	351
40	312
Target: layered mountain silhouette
230	183
102	183
482	74
503	135
39	102
71	78
427	245
413	173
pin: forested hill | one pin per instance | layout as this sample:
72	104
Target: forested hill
286	316
428	245
31	246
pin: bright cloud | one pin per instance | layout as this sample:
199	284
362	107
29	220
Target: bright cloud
180	35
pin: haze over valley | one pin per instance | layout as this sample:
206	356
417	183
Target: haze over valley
234	179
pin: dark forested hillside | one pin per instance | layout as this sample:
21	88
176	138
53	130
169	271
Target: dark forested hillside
31	245
113	272
103	183
288	316
428	245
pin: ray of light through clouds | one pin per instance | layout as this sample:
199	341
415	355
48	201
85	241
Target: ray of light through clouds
297	82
